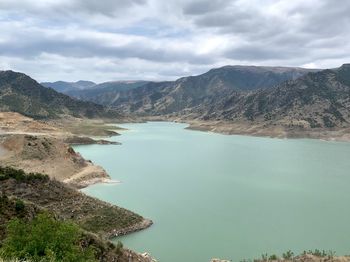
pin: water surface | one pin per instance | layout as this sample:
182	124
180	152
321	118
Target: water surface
232	197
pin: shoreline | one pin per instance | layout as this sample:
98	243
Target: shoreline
144	224
256	130
341	135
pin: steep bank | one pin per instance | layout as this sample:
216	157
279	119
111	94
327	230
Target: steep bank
91	214
24	196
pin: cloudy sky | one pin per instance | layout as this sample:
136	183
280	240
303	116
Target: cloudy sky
104	40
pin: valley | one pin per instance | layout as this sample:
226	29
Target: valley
50	133
174	131
267	101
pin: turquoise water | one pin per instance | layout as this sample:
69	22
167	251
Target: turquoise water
232	197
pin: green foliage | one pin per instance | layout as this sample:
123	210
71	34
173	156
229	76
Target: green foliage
19	206
44	239
288	255
273	257
20	175
321	253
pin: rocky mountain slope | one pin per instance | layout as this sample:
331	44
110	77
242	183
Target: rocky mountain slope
188	92
20	93
165	97
315	100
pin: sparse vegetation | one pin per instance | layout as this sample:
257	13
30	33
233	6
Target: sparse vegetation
91	214
320	253
289	256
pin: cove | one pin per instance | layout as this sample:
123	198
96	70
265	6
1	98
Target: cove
232	197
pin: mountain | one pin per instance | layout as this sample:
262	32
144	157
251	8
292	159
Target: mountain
105	93
20	93
315	100
188	92
64	87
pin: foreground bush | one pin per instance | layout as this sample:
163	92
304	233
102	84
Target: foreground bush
44	239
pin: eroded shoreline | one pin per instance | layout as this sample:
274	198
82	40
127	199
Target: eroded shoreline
257	130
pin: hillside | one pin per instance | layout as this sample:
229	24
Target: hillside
24	196
20	93
316	100
91	214
188	92
51	156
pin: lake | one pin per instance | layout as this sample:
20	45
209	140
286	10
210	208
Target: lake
232	197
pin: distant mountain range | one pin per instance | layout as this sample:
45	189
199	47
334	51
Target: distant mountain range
104	93
292	97
171	96
20	93
189	92
64	87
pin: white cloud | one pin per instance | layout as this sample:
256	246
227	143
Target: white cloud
154	39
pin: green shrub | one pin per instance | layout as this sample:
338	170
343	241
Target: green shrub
20	175
19	206
273	257
44	239
288	255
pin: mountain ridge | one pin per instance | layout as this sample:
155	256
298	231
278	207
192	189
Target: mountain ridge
194	88
22	94
188	92
315	100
